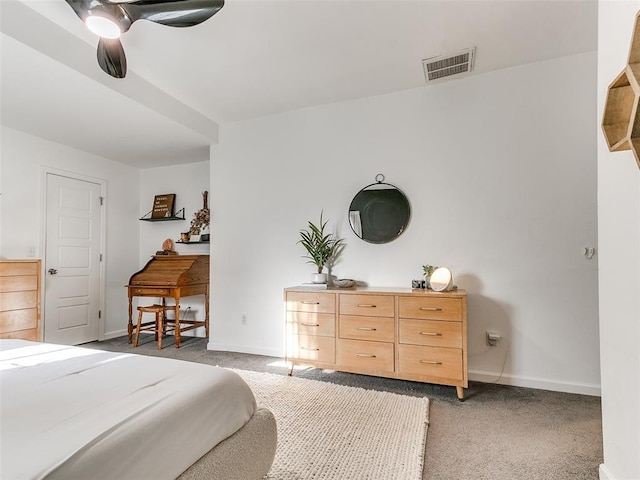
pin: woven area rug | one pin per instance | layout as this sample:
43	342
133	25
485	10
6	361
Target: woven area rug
333	432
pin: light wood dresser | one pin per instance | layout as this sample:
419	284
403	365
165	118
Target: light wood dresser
418	335
20	299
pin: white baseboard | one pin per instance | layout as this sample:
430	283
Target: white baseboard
117	333
243	349
605	474
538	383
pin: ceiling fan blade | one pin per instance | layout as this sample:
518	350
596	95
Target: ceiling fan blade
174	13
81	7
111	57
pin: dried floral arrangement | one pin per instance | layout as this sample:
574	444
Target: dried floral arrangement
201	217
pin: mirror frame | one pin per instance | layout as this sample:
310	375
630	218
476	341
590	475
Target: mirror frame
393	199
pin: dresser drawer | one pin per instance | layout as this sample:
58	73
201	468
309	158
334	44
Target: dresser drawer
18	283
9	268
306	323
433	308
367	305
312	347
15	320
378	329
430	332
430	361
18	300
150	291
311	302
365	356
31	334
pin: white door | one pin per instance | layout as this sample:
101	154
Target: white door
72	260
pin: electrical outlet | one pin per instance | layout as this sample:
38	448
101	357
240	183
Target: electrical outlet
243	319
492	338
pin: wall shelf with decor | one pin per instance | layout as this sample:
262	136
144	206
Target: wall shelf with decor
621	118
148	217
192	243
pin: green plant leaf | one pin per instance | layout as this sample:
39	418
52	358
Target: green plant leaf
321	248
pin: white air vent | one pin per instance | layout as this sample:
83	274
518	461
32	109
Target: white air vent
443	66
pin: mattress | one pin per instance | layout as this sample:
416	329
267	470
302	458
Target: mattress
78	413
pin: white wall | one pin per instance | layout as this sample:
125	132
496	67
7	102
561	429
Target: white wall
500	170
619	263
187	182
23	158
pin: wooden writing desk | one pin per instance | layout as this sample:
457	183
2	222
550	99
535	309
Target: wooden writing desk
172	276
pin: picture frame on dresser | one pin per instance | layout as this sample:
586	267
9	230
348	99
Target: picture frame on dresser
417	335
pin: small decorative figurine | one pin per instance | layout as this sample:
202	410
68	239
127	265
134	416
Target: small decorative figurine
168	247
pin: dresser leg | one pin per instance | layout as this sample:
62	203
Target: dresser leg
291	369
460	392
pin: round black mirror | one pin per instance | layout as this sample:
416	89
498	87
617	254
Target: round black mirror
380	212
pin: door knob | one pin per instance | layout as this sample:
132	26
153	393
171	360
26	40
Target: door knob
53	271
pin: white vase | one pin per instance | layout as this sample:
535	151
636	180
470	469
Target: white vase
204	234
319	278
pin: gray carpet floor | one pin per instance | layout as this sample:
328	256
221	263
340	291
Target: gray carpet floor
498	432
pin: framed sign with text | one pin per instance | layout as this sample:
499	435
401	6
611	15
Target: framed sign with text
163	205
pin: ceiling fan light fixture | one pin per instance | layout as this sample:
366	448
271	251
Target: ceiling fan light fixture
111	18
103	26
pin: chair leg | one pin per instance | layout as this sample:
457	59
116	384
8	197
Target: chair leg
159	326
135	341
164	322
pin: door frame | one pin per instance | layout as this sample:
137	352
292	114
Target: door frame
45	171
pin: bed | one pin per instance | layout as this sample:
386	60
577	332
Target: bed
77	413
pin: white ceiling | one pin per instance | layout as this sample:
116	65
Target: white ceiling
252	58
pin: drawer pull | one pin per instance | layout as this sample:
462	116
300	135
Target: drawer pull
367	329
366	355
366	305
431	334
431	309
310	324
431	362
310	303
310	349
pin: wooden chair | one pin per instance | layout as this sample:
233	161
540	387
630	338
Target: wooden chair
159	325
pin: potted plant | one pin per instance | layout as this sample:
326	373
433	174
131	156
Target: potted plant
322	248
428	270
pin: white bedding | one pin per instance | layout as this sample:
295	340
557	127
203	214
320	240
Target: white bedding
78	413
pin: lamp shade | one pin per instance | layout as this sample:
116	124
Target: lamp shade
441	279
